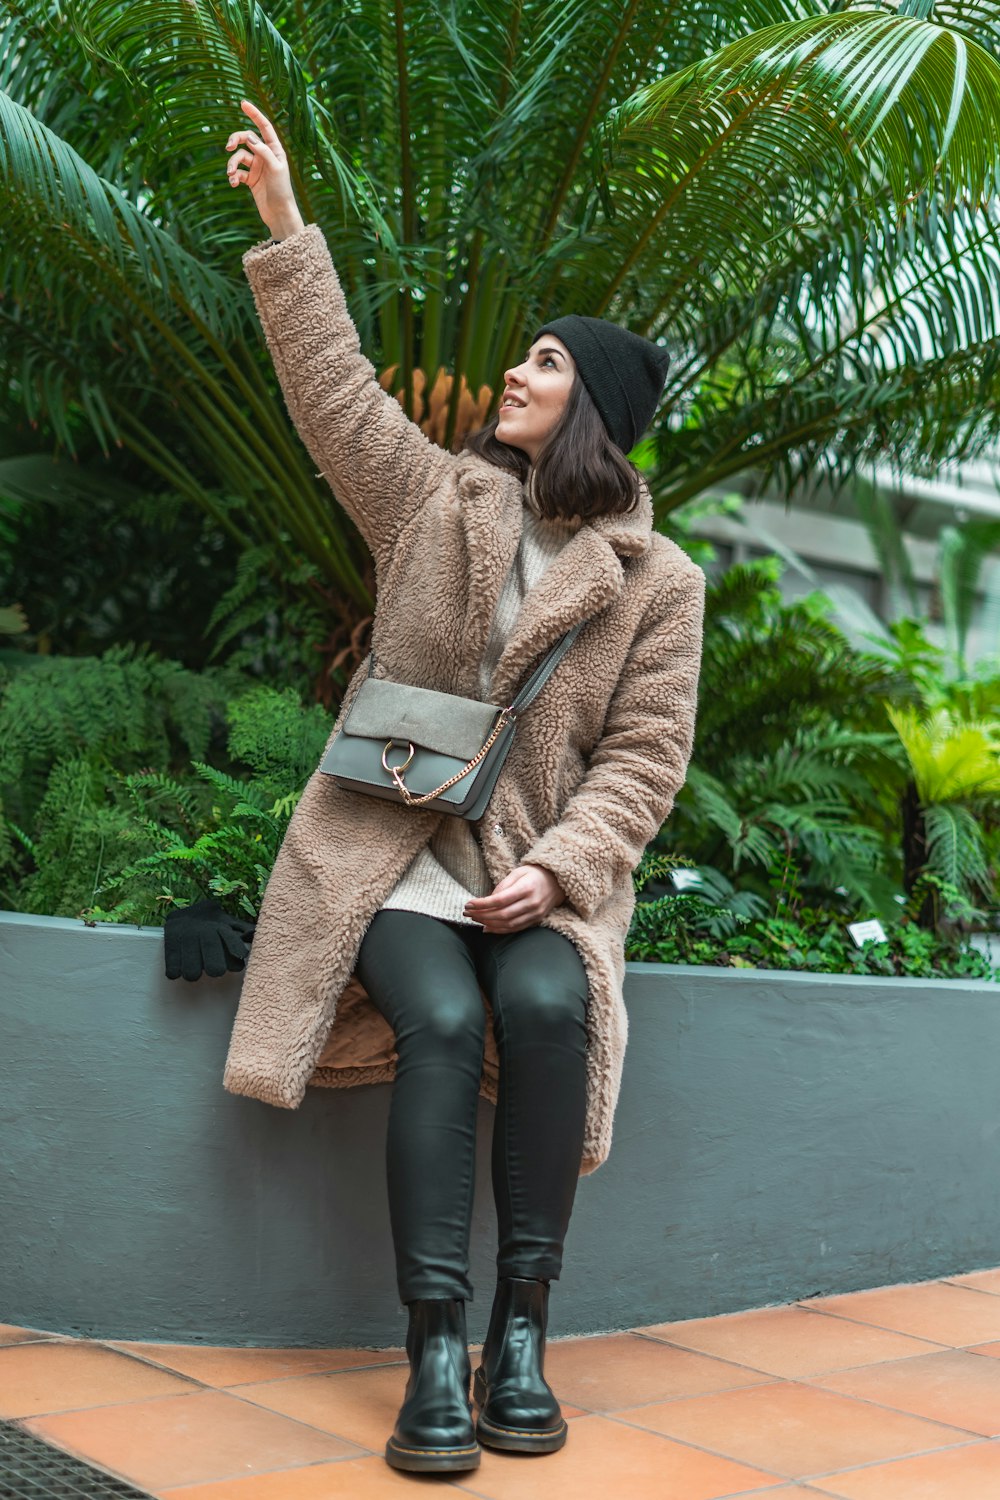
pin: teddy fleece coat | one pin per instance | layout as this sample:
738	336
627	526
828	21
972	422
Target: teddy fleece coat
596	761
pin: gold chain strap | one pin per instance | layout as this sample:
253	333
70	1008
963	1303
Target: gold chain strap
396	772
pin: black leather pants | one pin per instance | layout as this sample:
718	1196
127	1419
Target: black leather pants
424	975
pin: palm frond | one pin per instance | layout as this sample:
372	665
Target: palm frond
956	850
962	552
952	760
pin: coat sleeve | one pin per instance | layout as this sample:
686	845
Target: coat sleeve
640	763
379	464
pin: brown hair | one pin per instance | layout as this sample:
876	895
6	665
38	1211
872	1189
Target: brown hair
579	470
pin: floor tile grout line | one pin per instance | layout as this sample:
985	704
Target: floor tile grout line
771	1490
148	1359
773	1375
971	1441
83	1458
871	1291
169	1491
895	1458
218	1479
322	1431
176	1395
883	1406
896	1286
721	1359
191	1380
465	1489
897	1411
729	1390
121	1346
44	1339
307	1374
76	1411
779	1479
884	1328
808	1381
843	1317
819	1312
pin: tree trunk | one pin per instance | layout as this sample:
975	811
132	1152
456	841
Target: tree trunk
915	854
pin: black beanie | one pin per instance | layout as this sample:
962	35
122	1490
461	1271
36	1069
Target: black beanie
623	372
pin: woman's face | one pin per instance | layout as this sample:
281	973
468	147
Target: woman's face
535	395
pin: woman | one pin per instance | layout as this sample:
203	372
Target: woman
397	943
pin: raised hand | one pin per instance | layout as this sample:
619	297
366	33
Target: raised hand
261	163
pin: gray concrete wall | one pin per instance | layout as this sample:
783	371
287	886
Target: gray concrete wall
778	1136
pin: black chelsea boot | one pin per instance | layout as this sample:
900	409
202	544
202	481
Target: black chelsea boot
435	1428
517	1408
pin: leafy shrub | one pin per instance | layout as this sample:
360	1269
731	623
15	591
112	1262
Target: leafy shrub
714	924
218	835
111	807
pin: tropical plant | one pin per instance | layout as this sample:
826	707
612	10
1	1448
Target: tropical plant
714	924
962	552
952	798
65	721
787	752
120	830
799	200
809	747
109	565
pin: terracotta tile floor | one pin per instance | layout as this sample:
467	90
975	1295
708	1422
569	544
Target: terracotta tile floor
892	1394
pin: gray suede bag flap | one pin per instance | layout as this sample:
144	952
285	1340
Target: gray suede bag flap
438	721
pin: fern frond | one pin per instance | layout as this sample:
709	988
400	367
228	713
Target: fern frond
231	786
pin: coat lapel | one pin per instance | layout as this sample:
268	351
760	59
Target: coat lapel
491	508
582	580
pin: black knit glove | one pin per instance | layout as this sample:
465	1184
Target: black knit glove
205	939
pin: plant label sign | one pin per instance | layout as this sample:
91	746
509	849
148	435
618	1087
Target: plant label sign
866	932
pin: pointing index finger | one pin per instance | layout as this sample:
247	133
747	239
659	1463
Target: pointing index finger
267	130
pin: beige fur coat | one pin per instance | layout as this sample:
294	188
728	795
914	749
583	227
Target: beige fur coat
596	762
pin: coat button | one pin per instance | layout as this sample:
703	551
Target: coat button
497	828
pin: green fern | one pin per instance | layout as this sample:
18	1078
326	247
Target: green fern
655	866
271	731
127	705
230	855
274	620
120	843
80	839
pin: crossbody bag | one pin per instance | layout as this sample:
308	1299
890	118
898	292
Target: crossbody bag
430	749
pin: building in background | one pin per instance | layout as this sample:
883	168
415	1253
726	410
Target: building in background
828	533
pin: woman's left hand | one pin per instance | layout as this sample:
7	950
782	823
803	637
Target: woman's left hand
520	899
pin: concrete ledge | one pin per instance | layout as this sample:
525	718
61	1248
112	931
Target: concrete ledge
778	1136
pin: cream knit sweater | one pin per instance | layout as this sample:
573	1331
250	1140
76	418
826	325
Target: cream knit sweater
450	868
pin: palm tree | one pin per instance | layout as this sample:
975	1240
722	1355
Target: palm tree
799	201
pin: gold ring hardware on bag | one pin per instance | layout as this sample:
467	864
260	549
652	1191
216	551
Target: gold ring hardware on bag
406	762
506	715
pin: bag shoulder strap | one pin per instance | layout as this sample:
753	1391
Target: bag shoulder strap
542	672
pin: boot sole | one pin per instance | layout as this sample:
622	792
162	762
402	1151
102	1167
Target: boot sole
515	1439
420	1460
520	1439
